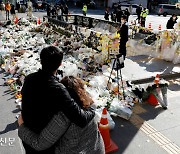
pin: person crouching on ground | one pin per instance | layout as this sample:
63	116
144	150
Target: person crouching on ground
43	96
70	137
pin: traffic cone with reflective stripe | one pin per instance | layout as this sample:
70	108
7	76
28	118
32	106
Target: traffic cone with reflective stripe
159	28
149	26
16	20
156	80
152	100
38	21
110	146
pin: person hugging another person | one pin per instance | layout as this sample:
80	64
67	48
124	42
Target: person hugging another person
55	115
71	138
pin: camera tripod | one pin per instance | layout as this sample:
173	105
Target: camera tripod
118	64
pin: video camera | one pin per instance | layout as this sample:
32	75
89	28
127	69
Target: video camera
118	62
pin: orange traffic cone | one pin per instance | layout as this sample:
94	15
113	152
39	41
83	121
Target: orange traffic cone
16	20
159	27
110	146
38	21
149	26
156	80
152	100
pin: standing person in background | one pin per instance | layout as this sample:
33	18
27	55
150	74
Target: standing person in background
29	3
171	22
130	8
144	14
66	12
119	13
59	13
48	10
106	14
17	6
7	8
53	12
13	12
2	6
127	14
113	16
138	11
84	9
123	36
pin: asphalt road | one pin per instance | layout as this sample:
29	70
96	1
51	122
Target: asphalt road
155	20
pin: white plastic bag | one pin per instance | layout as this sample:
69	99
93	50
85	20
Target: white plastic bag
119	109
168	53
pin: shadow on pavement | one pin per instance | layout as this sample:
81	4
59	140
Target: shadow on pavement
16	111
175	86
125	131
153	64
9	127
9	92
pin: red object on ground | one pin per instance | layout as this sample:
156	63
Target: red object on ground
157	79
152	100
159	27
149	26
38	21
16	20
110	146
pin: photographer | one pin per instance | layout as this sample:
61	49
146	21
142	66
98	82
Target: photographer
124	36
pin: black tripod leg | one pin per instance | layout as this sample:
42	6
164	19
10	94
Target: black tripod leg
122	85
118	82
111	71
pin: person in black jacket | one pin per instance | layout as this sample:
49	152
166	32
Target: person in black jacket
48	9
106	14
53	12
66	12
113	16
171	22
119	13
43	96
13	11
124	36
138	11
127	14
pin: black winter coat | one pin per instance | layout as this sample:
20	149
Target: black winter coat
170	23
124	32
43	96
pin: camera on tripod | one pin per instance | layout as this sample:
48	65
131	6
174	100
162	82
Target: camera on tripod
118	62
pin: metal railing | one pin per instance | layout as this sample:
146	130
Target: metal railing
79	20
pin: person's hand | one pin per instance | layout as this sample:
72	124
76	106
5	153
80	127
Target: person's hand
20	120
